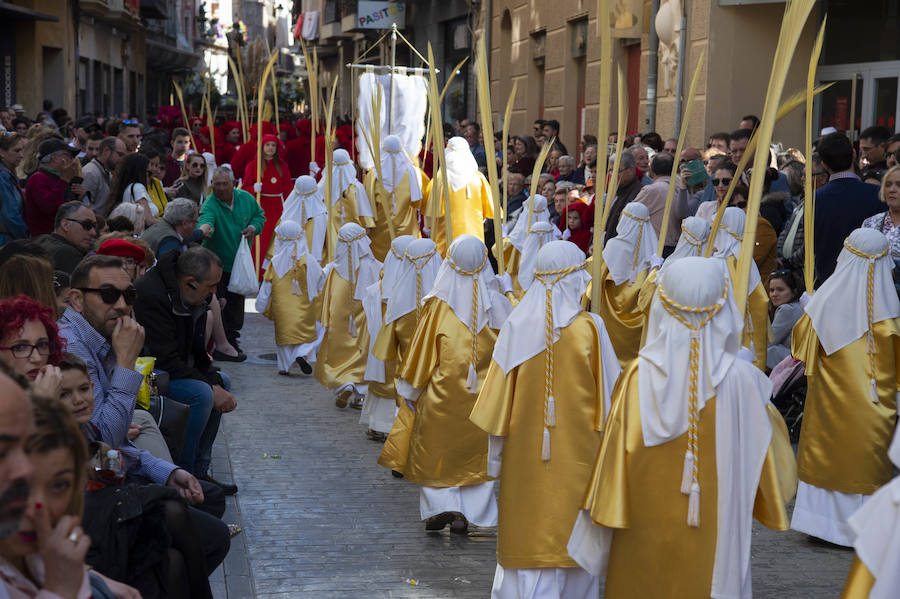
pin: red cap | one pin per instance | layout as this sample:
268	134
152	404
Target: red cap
122	249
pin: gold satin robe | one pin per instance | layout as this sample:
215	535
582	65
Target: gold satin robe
294	315
392	343
636	490
469	206
619	308
758	308
345	211
341	358
540	500
405	219
645	300
859	581
445	448
845	436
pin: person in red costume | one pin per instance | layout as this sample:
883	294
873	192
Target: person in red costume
286	132
344	135
577	232
275	186
247	152
231	140
217	140
298	149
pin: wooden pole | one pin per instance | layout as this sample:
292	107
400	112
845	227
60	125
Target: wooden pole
612	184
440	184
261	92
331	232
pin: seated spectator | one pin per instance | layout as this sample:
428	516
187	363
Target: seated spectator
588	161
721	179
98	172
521	159
74	232
133	256
159	196
547	186
47	188
131	552
30	343
132	213
887	222
129	186
176	229
192	183
31	275
172	306
12	221
550	130
567	171
784	311
16	426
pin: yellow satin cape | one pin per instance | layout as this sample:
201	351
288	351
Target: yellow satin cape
341	358
294	315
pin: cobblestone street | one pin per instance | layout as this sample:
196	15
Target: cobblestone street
322	519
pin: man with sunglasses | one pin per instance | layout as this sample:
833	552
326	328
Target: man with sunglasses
74	232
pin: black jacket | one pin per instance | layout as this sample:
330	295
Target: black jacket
841	206
174	333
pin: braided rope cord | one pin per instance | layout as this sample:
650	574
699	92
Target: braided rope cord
473	326
549	278
424	258
690	484
870	309
691	238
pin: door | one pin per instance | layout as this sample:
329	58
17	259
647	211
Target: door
863	94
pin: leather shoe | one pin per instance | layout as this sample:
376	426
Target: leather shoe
227	488
305	368
220	357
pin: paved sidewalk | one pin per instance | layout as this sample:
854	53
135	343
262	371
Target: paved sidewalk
322	519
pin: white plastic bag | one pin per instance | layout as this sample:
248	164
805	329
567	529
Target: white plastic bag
243	275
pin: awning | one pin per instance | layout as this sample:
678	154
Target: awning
21	13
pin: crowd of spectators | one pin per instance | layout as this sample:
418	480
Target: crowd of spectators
117	241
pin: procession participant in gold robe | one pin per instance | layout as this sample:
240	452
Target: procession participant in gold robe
341	362
306	205
541	234
849	339
400	188
627	259
692	451
756	319
439	375
514	244
694	233
380	406
349	202
421	263
470	197
876	526
289	296
544	402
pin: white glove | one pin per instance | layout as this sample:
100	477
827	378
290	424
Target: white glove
504	281
804	299
314	168
411	405
745	354
257	187
566	234
427	231
656	261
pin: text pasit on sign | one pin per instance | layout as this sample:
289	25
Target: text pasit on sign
380	15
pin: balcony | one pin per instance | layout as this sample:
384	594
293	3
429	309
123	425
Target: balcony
116	12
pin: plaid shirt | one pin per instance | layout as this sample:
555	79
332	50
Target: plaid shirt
115	394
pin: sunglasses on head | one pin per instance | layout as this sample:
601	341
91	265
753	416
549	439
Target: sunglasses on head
110	295
131	122
722	181
86	224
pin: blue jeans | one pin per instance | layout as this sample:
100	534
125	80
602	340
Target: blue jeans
203	422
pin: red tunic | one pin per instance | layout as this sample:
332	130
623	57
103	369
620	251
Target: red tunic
276	188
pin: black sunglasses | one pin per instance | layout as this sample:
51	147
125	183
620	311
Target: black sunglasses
716	182
86	224
110	295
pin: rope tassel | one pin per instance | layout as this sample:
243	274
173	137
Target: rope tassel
545	446
351	326
295	288
693	518
551	411
472	380
687	472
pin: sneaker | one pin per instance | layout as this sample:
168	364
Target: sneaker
227	488
305	368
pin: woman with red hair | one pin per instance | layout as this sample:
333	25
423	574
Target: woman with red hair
30	343
274	186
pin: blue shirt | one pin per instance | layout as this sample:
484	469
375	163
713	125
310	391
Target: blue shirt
12	223
115	394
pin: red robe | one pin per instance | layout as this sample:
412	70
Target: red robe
271	199
298	151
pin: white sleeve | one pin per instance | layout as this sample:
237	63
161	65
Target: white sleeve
264	297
